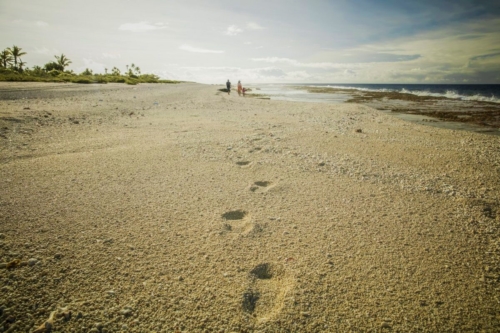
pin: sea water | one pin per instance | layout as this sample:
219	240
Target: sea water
465	92
296	93
453	94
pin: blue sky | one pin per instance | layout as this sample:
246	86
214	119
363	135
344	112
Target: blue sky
355	41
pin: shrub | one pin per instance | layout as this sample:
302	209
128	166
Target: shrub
172	81
86	72
81	80
5	71
115	78
100	79
53	66
55	72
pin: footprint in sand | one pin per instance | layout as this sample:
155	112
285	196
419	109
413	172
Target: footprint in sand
244	164
255	149
261	186
240	222
269	284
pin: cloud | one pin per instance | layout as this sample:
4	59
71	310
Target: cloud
475	77
295	63
383	57
247	43
96	67
141	26
468	37
111	55
233	30
276	60
219	74
254	26
38	24
209	68
272	72
43	50
298	75
337	65
485	56
190	48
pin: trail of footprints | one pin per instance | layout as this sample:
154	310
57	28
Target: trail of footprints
268	284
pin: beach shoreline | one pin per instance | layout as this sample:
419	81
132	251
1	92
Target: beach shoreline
437	109
167	208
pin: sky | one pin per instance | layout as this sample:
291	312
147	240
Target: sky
273	41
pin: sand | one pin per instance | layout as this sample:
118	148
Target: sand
178	208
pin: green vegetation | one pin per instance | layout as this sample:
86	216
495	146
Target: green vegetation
12	68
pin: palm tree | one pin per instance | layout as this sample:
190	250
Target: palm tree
37	70
63	61
87	72
15	51
133	70
5	58
21	64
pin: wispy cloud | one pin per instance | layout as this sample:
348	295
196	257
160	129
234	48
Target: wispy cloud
38	24
254	26
142	26
45	51
97	67
111	55
295	63
233	30
213	74
485	56
190	48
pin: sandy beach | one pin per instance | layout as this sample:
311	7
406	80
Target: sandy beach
179	208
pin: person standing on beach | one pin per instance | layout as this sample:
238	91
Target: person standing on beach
240	88
228	85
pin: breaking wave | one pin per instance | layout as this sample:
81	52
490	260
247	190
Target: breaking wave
450	93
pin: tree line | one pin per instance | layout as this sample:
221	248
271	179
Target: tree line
13	68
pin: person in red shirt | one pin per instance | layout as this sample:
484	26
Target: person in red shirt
240	88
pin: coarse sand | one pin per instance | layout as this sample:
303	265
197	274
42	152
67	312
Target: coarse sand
179	208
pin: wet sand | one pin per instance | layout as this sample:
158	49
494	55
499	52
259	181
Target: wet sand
178	208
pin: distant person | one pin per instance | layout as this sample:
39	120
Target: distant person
228	85
244	90
240	88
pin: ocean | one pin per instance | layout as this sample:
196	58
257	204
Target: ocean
464	92
460	106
